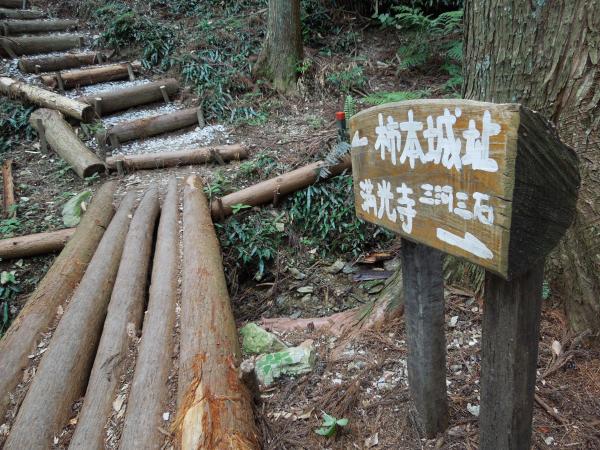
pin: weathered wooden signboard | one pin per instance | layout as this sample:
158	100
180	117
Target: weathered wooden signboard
443	173
489	183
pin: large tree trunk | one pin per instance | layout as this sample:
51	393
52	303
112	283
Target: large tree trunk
282	51
545	55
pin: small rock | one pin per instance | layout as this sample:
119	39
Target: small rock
118	403
336	267
549	440
292	361
256	340
306	289
296	273
453	321
166	416
372	441
473	409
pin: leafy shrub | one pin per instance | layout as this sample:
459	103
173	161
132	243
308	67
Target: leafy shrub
251	240
323	214
379	98
347	80
14	123
124	27
427	37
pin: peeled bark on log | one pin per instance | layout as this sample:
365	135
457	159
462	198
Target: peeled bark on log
54	289
151	126
123	319
214	406
267	191
92	75
148	397
31	45
388	306
35	244
120	99
11	3
20	14
8	196
58	62
64	141
11	27
47	99
181	158
63	372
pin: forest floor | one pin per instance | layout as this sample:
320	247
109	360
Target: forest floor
281	261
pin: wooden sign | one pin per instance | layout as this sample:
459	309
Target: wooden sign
491	183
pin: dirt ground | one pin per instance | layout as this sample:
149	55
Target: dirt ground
363	378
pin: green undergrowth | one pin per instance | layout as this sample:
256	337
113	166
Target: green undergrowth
14	124
319	219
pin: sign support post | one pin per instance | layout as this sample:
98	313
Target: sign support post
509	349
424	314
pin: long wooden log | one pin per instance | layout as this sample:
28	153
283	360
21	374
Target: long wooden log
11	3
214	406
92	75
31	45
120	99
47	99
58	62
35	244
11	27
151	126
148	397
63	140
62	374
54	289
269	190
20	14
180	158
123	319
8	187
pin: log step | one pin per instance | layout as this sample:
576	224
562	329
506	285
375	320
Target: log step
152	126
193	156
21	14
91	75
17	4
60	62
35	244
121	99
12	27
31	45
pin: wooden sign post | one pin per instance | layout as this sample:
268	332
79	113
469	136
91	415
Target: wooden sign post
490	183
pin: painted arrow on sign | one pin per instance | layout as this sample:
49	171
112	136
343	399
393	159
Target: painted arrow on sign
468	243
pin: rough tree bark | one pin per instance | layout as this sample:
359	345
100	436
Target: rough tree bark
214	405
63	372
123	320
35	244
150	389
282	50
54	289
545	55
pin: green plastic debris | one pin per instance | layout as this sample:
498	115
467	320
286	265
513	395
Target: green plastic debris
292	361
74	208
257	340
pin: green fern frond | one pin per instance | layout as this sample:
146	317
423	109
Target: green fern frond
448	22
379	98
408	18
349	106
455	51
334	157
414	54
